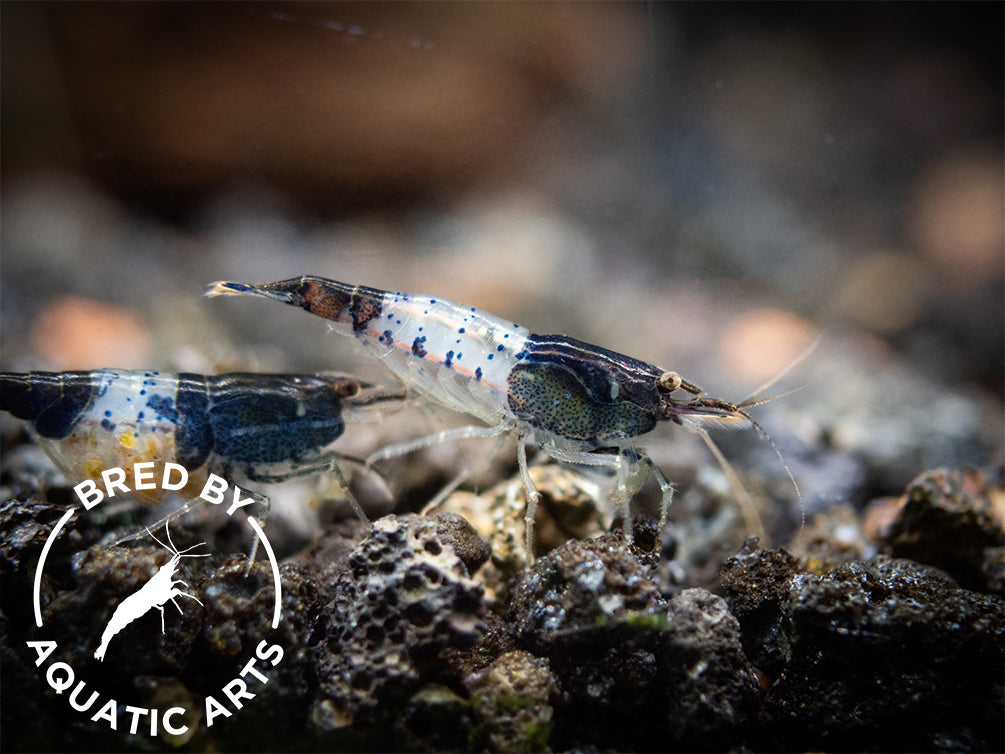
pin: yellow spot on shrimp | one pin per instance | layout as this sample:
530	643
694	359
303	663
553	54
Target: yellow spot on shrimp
93	468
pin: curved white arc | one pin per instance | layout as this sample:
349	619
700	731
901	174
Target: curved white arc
41	563
278	610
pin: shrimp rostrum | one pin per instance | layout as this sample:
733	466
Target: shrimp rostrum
264	428
577	402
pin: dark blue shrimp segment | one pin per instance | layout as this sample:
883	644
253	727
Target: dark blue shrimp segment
53	402
163	407
607	375
266	419
582	392
194	435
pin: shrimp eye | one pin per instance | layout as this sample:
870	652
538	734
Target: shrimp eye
668	382
346	388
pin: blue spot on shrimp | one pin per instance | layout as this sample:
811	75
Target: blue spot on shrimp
264	428
577	402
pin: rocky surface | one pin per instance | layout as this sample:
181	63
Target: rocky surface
394	644
954	520
861	657
405	597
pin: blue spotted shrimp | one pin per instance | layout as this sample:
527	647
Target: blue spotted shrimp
264	428
577	402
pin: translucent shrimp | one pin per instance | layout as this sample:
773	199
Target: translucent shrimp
264	428
577	402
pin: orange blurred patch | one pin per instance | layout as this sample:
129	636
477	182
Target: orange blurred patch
884	291
76	333
958	216
759	344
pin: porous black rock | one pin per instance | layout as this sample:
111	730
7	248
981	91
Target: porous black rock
671	673
877	655
948	520
892	655
757	584
405	597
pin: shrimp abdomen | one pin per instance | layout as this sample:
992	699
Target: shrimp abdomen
52	401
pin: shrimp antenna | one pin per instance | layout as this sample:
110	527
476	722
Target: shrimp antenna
751	518
170	548
788	473
751	400
754	399
781	459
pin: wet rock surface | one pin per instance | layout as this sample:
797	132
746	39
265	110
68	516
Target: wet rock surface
919	633
953	520
671	671
877	655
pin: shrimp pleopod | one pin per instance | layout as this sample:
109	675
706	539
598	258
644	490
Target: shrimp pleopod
577	402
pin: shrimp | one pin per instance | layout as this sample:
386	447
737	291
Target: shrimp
578	403
265	428
160	589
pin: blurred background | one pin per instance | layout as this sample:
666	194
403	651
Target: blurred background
707	187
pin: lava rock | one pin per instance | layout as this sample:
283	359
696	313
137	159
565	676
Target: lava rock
406	597
593	609
434	718
878	655
328	555
949	519
24	529
670	673
709	685
238	620
76	618
830	539
580	586
459	535
512	703
876	646
495	642
757	584
567	509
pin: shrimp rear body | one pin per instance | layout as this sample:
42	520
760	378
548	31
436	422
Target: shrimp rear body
456	355
255	426
88	422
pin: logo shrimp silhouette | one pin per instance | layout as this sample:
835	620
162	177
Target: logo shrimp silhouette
160	589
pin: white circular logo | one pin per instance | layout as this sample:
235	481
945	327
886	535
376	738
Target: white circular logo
158	591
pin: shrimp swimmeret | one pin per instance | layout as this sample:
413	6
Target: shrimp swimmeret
577	402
